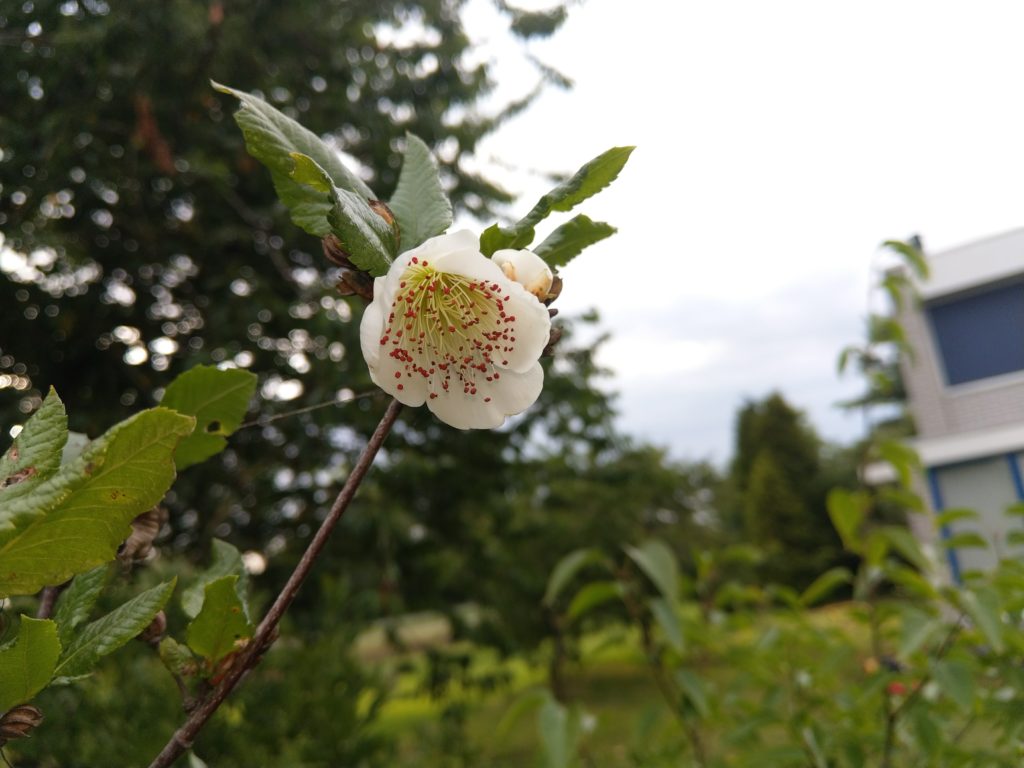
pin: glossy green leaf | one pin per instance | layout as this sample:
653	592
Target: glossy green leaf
568	241
587	181
825	585
666	617
419	203
221	623
370	242
89	504
77	601
110	632
655	559
272	138
956	680
591	596
566	569
27	666
218	399
225	561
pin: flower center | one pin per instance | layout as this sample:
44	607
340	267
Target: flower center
449	329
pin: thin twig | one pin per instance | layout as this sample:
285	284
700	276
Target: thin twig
48	599
265	632
261	421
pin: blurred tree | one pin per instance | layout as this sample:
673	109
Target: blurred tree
144	240
781	474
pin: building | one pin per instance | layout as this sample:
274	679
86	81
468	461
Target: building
965	383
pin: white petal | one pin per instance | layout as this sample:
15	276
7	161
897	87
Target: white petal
471	264
452	242
413	386
511	394
371	327
532	327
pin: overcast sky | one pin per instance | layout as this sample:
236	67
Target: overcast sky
778	145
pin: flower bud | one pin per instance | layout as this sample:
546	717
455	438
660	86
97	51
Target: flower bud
153	633
19	722
526	268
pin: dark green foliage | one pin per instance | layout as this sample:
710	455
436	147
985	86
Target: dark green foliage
780	476
302	709
120	158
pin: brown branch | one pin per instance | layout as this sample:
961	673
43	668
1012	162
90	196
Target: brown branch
266	631
48	599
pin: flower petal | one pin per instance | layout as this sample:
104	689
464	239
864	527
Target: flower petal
513	393
390	375
532	328
370	328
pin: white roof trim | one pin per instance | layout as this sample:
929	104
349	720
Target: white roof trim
965	446
967	266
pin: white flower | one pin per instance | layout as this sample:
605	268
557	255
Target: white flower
526	268
448	328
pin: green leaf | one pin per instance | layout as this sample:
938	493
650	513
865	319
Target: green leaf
983	606
28	467
107	634
591	596
917	628
693	689
905	544
566	569
825	585
226	561
369	240
587	181
848	509
665	615
77	601
272	138
903	459
950	516
966	540
528	702
419	203
656	560
956	680
218	399
35	452
221	622
559	734
569	240
88	505
177	658
27	666
913	257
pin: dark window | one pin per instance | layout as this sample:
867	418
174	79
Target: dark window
981	335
